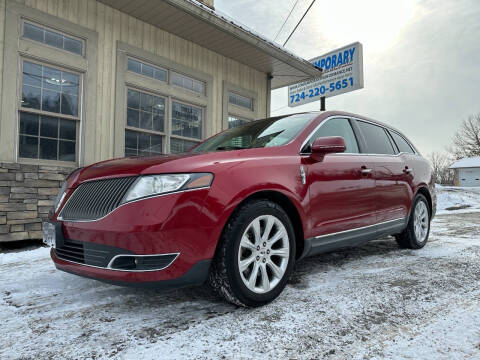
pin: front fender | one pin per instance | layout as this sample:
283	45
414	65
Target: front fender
234	186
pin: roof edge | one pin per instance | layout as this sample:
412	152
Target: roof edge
206	14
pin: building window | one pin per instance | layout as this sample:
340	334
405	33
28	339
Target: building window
186	120
188	83
240	100
150	71
235	121
142	144
144	112
48	113
49	89
52	38
178	146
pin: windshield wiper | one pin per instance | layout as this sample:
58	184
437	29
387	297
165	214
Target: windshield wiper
231	148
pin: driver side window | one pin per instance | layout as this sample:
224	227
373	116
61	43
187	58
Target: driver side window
336	127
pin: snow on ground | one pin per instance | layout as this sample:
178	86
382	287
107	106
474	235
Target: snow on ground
373	302
457	199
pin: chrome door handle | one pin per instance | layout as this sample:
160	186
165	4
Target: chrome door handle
407	170
366	171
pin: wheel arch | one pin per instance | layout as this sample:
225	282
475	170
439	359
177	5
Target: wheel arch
425	192
286	204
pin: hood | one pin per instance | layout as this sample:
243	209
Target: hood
162	164
121	167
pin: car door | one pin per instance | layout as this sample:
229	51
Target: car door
392	188
411	163
341	185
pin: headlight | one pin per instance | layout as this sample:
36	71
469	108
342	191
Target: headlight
152	185
60	196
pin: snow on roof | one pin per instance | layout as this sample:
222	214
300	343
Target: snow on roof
466	163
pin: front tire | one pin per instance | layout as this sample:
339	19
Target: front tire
256	255
415	236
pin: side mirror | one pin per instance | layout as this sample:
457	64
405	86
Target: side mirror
329	144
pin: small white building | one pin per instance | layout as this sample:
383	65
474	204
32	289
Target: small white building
467	171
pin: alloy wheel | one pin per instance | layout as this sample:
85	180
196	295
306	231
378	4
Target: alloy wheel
421	221
264	253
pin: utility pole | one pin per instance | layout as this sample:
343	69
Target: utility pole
322	103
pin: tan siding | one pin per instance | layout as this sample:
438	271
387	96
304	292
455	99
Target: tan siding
111	26
2	44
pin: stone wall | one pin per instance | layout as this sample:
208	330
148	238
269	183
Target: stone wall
27	193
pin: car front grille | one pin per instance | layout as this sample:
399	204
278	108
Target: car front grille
76	251
93	200
87	253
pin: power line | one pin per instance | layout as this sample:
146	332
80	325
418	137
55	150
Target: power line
306	12
290	13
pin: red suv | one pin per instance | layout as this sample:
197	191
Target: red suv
242	207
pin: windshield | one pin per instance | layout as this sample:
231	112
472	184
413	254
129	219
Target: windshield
260	133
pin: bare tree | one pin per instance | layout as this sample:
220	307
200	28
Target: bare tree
440	163
466	142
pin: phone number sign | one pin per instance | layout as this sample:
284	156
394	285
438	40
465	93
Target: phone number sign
342	72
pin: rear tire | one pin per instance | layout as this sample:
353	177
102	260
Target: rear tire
255	256
415	236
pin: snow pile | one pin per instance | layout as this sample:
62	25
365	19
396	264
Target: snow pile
457	199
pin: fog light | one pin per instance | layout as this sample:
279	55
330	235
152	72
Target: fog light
142	262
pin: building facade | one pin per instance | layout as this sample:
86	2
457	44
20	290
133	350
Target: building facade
83	81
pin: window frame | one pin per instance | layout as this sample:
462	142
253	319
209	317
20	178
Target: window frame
390	131
17	48
238	118
252	108
20	109
171	93
238	111
152	65
52	29
56	67
171	135
386	135
163	133
360	141
170	81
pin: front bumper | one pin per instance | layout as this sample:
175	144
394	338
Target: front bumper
172	225
196	275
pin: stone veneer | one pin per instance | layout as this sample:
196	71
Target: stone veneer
27	193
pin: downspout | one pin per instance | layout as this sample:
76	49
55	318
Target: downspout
269	94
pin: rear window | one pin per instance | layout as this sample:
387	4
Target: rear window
402	144
376	138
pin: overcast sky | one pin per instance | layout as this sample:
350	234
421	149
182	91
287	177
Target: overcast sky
421	57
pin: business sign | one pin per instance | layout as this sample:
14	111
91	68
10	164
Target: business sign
342	72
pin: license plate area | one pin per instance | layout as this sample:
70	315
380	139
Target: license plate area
49	234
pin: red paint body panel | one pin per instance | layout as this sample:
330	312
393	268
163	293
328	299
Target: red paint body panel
336	197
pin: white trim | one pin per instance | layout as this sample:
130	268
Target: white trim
109	266
112	269
359	228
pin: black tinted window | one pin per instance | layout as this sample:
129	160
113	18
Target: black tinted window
376	138
336	127
402	144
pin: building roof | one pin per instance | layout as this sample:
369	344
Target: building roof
216	31
472	162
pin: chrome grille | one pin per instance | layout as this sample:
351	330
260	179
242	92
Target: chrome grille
94	199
